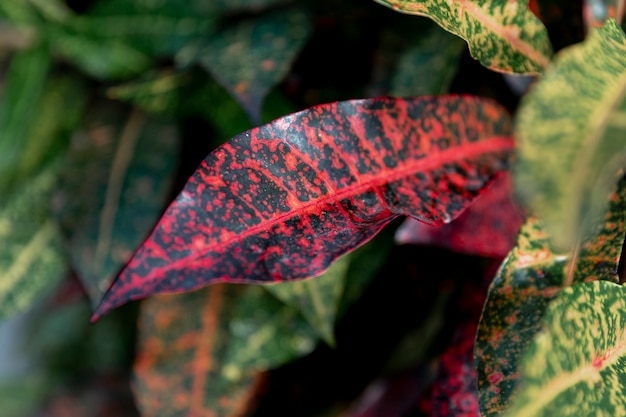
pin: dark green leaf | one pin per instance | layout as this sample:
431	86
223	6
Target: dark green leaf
122	166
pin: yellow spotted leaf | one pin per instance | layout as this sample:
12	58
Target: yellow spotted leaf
571	131
576	365
503	35
529	279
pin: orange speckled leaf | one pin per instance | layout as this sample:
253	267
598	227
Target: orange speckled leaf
207	363
503	35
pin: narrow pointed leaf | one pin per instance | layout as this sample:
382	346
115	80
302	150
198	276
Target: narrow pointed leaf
526	283
487	228
206	363
32	261
317	299
123	166
254	55
282	201
575	365
572	135
503	35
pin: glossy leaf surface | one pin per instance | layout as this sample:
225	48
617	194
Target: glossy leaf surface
575	365
206	363
283	201
529	279
122	165
487	228
251	57
503	35
571	135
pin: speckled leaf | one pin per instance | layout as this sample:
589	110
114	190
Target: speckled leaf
251	57
317	299
503	35
528	280
206	363
31	256
122	165
571	135
564	21
454	392
283	201
575	365
487	228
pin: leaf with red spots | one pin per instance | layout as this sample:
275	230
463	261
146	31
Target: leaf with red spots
252	56
122	165
528	280
210	362
487	228
283	201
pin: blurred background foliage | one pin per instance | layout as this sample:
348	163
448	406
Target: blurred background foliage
106	108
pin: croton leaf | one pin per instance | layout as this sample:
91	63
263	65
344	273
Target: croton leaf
488	228
571	133
596	12
575	365
284	200
31	257
130	159
528	280
207	363
317	299
503	35
252	56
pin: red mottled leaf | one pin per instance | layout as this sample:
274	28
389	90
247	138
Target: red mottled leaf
488	228
282	201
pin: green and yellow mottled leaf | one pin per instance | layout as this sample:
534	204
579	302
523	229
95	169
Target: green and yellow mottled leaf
503	35
576	365
252	56
317	299
206	363
571	131
122	165
31	257
526	283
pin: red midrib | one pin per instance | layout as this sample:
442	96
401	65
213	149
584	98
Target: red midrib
468	151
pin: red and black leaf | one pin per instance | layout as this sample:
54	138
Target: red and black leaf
282	201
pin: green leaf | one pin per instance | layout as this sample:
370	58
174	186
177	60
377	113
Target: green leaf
122	166
528	280
206	363
575	365
503	35
428	66
571	135
31	259
252	56
317	299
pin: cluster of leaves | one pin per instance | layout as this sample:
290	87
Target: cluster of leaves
106	106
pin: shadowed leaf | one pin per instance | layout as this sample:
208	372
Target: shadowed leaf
528	280
282	201
206	363
251	57
571	135
122	165
503	35
31	257
317	299
487	228
575	365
